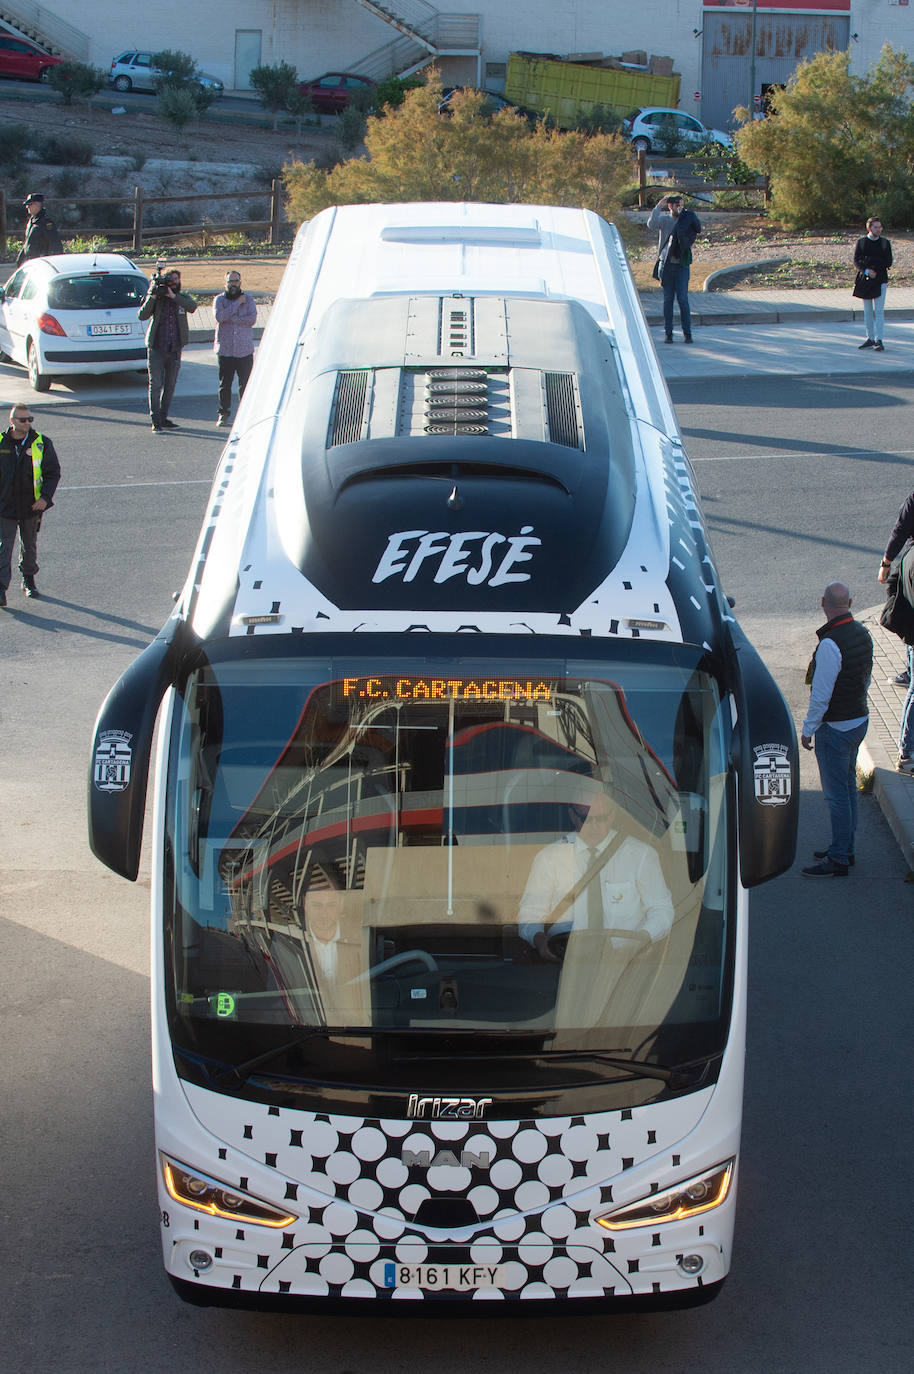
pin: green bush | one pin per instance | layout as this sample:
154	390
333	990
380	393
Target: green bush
391	91
277	86
177	68
17	139
177	106
64	152
66	184
838	147
415	154
76	79
350	128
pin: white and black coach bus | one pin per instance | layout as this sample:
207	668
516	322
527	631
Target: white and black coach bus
465	770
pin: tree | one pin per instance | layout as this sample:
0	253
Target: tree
77	79
177	106
277	86
416	154
837	147
176	69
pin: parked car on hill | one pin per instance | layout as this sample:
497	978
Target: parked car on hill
654	127
133	71
493	102
74	313
333	91
25	61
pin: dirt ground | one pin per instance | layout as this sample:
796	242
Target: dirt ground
813	259
139	130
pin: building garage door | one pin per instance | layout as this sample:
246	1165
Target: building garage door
782	41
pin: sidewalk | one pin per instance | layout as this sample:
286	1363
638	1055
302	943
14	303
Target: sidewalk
876	760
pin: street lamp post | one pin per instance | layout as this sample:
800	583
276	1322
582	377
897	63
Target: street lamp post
752	38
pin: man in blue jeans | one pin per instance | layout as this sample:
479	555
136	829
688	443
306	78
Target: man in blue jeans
677	229
839	675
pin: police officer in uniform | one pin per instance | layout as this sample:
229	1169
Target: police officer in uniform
29	473
41	236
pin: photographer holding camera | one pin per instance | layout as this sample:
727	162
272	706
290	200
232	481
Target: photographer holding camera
166	307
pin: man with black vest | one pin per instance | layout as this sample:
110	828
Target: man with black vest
839	675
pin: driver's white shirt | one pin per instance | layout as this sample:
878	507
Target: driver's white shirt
634	894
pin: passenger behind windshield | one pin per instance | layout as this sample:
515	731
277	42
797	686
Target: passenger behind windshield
596	878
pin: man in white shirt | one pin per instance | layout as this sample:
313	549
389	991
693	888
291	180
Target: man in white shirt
596	878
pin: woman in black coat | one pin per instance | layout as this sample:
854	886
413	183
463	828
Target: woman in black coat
872	259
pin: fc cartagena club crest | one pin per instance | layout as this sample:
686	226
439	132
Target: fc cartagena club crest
113	756
771	771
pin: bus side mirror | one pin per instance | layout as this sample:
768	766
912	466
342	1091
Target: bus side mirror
768	771
121	751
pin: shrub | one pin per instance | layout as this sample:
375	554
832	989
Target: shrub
601	120
177	106
837	147
76	79
95	243
178	69
415	154
66	183
64	152
392	90
17	138
350	128
277	86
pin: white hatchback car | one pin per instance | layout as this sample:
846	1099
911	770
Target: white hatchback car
74	313
653	127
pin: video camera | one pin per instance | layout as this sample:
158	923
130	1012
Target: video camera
159	283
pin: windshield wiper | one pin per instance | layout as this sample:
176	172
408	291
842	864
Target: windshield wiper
244	1070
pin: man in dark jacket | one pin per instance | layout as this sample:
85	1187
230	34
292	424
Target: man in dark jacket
166	307
839	675
41	236
678	229
29	473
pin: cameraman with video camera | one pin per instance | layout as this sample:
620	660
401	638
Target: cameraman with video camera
166	307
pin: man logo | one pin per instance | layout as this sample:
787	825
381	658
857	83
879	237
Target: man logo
446	1159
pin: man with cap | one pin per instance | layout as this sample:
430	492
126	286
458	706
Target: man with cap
41	236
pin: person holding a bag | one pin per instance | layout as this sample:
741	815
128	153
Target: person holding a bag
678	229
872	259
903	580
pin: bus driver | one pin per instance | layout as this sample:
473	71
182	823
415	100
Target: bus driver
595	878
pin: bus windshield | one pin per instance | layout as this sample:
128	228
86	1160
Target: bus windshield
509	848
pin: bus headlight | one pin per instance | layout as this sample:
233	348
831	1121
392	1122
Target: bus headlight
194	1189
686	1199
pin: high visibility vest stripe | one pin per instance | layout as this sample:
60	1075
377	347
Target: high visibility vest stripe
37	455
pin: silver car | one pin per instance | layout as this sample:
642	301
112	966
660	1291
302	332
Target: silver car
133	71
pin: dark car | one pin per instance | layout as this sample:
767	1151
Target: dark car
492	102
333	91
24	61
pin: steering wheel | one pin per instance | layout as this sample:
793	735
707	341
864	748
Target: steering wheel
406	956
556	941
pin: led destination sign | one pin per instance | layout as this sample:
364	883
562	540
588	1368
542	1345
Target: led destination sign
442	689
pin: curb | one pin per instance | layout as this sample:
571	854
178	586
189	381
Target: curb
718	281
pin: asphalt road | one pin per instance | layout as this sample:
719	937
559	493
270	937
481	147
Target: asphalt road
801	481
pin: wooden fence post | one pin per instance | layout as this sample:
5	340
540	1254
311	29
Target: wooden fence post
138	219
275	210
642	177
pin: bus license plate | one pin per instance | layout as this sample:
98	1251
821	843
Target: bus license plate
96	329
462	1278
